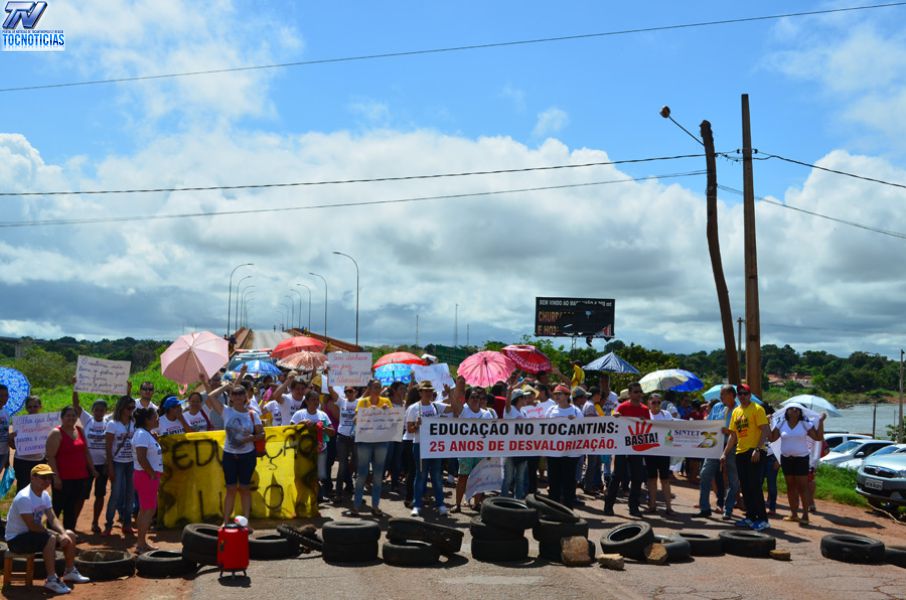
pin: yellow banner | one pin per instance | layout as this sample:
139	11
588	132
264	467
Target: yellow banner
284	486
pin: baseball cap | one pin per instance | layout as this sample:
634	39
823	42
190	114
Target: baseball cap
169	402
579	392
561	389
42	469
743	387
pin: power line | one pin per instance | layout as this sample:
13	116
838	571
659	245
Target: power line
829	170
450	49
92	221
887	232
344	181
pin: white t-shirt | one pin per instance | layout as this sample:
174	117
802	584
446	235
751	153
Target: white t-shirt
143	439
95	436
138	404
468	413
347	414
4	431
558	413
794	440
547	405
414	412
662	415
238	426
122	441
26	503
303	415
512	412
197	422
283	411
167	427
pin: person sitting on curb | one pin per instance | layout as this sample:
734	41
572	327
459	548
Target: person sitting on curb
25	534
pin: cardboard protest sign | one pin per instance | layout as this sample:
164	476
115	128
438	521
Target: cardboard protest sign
486	476
379	424
32	431
438	375
101	376
349	368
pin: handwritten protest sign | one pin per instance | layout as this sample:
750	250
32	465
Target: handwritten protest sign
100	376
379	424
486	476
438	375
32	431
349	368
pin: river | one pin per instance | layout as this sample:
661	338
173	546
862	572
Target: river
857	419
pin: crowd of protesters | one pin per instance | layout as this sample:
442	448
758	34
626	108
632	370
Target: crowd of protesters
120	446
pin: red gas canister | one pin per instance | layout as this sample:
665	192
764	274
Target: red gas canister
233	549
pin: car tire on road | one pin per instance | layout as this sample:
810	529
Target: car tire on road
160	564
410	553
200	540
482	531
703	545
105	565
272	546
508	513
350	532
306	537
895	555
852	548
447	540
351	553
751	544
678	548
553	531
550	510
497	551
628	539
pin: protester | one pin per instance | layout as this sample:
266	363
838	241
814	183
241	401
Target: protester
769	470
658	466
370	454
243	426
24	463
428	467
597	406
470	409
312	413
146	392
95	427
794	432
397	394
748	433
562	469
147	467
345	442
409	461
4	429
118	450
283	406
631	466
330	408
515	468
195	417
26	534
711	469
171	421
69	458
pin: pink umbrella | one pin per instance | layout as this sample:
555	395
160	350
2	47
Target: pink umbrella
527	357
297	344
192	354
305	361
486	368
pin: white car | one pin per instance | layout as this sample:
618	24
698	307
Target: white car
834	439
855	463
853	449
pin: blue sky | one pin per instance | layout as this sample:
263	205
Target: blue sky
821	88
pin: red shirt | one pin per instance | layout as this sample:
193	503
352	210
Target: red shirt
499	406
71	460
628	409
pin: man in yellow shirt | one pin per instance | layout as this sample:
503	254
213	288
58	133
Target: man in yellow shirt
749	434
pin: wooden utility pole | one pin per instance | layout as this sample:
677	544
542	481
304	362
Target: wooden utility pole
753	319
723	296
739	323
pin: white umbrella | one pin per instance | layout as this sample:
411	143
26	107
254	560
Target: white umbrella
815	403
677	380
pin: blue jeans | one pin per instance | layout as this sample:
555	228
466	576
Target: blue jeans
769	473
429	467
592	479
370	454
515	477
710	470
121	495
395	462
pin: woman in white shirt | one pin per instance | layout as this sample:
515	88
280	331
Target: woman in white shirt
195	416
95	427
171	421
147	465
562	469
658	466
471	409
794	432
118	442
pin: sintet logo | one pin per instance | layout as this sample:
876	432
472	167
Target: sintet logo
640	437
28	39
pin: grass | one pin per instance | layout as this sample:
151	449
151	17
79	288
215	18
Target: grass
832	483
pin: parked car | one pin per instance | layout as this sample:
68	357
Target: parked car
885	451
882	480
834	439
853	449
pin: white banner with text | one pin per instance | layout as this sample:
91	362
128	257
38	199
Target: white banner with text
449	438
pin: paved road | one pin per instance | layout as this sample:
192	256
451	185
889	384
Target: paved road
267	339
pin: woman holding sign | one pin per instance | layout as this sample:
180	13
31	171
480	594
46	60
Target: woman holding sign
24	463
371	454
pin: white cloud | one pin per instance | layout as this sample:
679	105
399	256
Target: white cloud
373	111
550	122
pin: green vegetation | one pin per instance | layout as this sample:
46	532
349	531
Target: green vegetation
832	483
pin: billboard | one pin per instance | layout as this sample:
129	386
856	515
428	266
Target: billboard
574	317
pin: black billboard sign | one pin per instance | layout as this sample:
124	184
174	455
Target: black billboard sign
574	317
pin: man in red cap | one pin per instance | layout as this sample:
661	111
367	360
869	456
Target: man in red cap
631	466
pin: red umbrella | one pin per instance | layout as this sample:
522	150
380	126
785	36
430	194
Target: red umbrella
528	358
486	368
297	344
401	358
304	360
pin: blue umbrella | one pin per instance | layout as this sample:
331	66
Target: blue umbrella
18	386
389	373
611	363
677	380
257	366
713	393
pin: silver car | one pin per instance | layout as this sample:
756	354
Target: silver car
882	480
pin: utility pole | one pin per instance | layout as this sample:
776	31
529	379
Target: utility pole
456	327
720	282
753	319
742	365
900	422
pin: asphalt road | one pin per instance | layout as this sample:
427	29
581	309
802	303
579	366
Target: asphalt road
267	339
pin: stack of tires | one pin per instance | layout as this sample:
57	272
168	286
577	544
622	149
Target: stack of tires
415	543
555	522
498	534
350	541
199	547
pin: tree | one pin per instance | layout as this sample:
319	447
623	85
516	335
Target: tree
44	369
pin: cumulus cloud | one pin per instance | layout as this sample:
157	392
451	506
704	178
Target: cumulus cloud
550	121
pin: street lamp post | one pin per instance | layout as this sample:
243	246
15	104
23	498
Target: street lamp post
325	300
299	318
356	293
230	293
242	300
245	310
286	309
238	287
292	309
308	289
